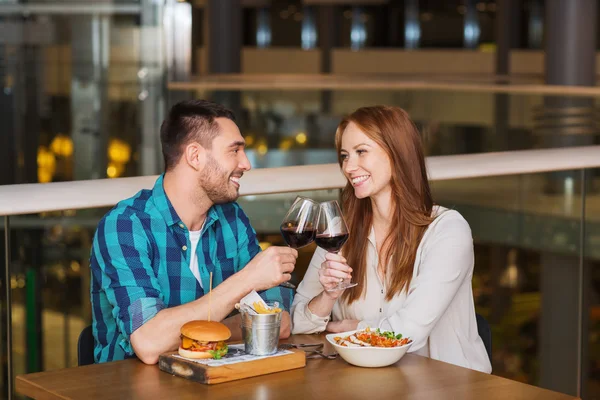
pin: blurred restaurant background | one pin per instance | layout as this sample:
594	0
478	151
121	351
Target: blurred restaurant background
84	86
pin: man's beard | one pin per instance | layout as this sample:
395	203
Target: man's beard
215	183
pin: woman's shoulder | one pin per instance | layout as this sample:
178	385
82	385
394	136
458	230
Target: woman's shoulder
448	221
449	237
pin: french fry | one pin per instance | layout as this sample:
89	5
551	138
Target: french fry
261	309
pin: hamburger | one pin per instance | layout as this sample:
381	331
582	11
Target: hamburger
204	339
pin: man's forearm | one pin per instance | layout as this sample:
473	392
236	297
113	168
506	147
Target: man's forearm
161	333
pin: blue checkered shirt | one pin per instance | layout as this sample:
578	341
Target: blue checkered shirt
140	262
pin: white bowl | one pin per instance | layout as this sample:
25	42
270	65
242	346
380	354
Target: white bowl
368	356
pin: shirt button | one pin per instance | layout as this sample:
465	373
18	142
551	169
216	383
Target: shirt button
184	248
380	310
381	291
181	225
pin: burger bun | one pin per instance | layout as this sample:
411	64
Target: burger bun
206	331
194	354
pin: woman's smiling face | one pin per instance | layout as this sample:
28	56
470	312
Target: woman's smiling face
364	163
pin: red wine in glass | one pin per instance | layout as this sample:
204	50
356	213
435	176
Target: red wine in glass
332	233
332	244
296	239
299	225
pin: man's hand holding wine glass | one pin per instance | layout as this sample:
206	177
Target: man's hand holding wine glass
271	267
298	226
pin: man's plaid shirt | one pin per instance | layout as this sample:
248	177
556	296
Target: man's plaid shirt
140	264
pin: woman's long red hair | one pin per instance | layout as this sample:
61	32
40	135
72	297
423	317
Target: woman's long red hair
393	130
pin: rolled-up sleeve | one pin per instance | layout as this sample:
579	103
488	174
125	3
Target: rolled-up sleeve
303	320
123	268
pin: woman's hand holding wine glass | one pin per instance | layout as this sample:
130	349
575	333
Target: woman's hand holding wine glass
334	274
332	233
307	221
332	270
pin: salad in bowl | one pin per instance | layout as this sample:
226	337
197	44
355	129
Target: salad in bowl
370	348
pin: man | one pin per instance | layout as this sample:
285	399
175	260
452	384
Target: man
153	253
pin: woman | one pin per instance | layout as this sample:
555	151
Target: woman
413	261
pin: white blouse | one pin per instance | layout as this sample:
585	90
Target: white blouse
438	312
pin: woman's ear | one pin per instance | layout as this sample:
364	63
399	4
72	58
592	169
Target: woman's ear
195	156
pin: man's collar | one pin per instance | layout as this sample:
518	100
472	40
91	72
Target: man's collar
166	209
163	204
211	217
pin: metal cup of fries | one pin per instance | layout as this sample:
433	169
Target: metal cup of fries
260	328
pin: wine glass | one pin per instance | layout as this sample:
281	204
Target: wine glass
332	233
299	225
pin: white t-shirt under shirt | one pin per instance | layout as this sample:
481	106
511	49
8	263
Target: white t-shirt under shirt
194	239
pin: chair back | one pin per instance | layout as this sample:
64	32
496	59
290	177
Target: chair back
85	347
485	332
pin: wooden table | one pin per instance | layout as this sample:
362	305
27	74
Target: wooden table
412	377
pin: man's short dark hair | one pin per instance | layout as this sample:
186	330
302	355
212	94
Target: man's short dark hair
187	121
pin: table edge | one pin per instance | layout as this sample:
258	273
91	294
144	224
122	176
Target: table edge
31	389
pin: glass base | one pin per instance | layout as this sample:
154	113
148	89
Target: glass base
341	286
287	285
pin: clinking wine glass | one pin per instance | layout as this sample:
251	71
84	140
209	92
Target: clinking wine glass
332	233
299	225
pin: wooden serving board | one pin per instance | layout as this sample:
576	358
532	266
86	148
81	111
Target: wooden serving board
209	375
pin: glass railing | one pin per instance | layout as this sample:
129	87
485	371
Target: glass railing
535	237
50	286
590	284
530	254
